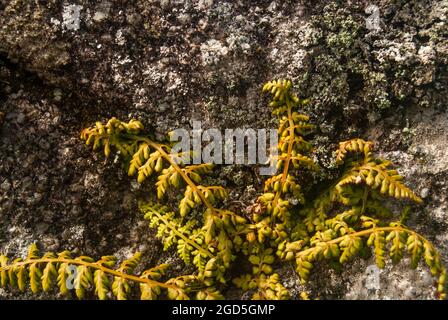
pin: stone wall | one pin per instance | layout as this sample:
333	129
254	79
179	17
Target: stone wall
66	64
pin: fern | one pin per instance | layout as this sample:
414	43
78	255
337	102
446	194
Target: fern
42	273
344	219
190	240
288	223
336	220
398	237
372	171
293	126
267	284
149	157
268	287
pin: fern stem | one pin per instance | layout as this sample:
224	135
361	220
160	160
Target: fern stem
288	157
290	142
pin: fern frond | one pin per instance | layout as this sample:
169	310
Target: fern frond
127	138
120	286
354	146
194	171
373	172
279	90
4	277
270	288
303	266
172	231
351	244
113	134
267	287
139	158
292	145
376	177
176	291
82	274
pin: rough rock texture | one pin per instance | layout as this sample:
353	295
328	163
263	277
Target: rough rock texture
66	64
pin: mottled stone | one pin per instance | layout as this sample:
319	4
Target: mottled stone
65	65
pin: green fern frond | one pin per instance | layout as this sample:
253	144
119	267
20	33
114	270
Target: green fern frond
279	89
292	146
371	171
270	288
146	156
83	274
354	146
171	231
396	234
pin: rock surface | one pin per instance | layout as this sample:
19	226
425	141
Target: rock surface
66	64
